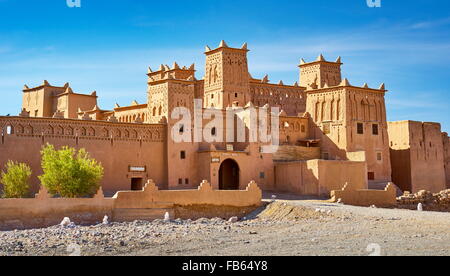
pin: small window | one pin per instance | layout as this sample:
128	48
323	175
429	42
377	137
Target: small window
212	96
326	156
186	181
235	95
379	156
182	129
183	155
180	181
375	129
9	130
326	128
262	175
360	128
213	131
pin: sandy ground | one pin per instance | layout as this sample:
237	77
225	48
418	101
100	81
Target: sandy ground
284	227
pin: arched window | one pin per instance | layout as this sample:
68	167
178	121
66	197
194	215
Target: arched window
213	131
154	111
160	111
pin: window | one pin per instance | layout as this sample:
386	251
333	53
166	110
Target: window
379	156
235	95
186	181
213	131
262	175
183	154
182	129
360	128
326	128
212	96
303	128
326	156
375	129
9	130
180	181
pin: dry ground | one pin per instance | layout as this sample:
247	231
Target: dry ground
285	227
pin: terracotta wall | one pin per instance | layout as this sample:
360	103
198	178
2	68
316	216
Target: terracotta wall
319	177
446	145
148	204
417	156
117	146
296	153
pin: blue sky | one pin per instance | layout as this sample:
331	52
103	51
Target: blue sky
107	45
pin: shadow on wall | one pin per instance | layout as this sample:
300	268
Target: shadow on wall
401	169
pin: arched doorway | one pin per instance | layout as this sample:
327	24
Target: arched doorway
229	175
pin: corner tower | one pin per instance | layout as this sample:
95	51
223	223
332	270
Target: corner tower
319	73
226	76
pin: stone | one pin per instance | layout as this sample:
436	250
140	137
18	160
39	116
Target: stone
233	220
420	207
167	217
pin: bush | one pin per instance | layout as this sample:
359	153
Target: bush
70	173
16	180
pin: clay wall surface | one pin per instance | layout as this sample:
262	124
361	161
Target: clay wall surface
116	146
148	204
366	198
319	177
417	156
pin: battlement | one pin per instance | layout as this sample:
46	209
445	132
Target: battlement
165	72
223	45
320	72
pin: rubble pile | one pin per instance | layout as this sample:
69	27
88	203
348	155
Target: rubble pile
431	202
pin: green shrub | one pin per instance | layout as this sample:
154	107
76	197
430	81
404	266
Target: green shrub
70	173
15	180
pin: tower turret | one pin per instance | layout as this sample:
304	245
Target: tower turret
319	73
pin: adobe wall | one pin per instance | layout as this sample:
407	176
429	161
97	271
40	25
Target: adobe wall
399	141
117	146
296	153
446	145
252	166
336	113
418	147
361	197
44	211
148	204
319	177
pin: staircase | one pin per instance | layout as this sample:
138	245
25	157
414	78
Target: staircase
381	185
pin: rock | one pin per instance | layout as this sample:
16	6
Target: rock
105	220
420	207
66	223
233	220
167	217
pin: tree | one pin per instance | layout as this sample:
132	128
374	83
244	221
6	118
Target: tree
70	173
15	180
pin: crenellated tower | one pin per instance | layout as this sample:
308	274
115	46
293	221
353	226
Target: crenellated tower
320	73
226	76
